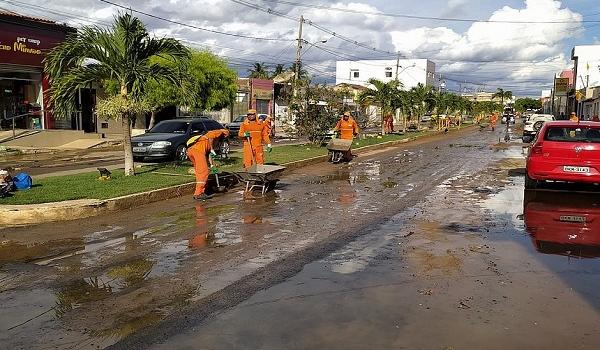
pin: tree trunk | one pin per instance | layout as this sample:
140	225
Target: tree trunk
152	119
126	126
129	166
382	123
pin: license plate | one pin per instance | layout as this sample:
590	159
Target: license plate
572	218
139	149
576	169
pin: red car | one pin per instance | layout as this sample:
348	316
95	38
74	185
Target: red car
564	151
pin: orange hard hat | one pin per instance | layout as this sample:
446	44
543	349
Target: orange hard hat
251	111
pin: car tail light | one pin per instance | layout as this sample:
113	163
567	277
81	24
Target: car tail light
536	150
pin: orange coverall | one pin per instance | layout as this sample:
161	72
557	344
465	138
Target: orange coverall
494	121
198	149
259	135
347	128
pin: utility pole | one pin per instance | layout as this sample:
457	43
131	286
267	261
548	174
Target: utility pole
298	57
397	65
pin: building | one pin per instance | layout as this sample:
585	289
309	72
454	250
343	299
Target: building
546	100
482	96
590	103
410	72
586	72
254	93
23	85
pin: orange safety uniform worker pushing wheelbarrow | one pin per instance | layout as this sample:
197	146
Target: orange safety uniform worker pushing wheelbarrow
255	134
348	128
200	151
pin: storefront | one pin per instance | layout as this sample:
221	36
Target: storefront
24	41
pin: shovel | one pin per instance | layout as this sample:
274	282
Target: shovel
214	170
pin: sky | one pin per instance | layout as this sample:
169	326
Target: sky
493	53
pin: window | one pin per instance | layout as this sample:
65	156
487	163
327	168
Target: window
388	74
355	74
573	134
198	128
169	127
213	124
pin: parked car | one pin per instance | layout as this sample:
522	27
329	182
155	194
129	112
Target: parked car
426	118
564	151
167	139
533	124
234	126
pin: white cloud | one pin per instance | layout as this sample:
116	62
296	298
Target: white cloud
457	50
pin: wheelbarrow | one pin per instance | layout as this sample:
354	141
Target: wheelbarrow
261	178
337	149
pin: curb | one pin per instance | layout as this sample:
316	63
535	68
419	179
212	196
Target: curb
32	214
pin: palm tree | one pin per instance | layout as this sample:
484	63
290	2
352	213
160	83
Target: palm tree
280	68
123	54
259	71
382	94
502	95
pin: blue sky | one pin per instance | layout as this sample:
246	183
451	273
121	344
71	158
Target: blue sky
520	57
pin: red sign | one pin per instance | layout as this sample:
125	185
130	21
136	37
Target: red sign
26	46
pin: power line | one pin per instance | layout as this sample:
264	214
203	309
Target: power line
310	23
193	26
398	15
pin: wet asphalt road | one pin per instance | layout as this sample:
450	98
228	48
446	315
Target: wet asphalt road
419	247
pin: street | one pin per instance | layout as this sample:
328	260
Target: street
421	246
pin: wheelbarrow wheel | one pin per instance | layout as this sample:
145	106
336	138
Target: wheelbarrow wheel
336	157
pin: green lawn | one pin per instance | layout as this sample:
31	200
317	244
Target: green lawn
80	186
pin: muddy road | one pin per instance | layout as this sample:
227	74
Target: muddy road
423	246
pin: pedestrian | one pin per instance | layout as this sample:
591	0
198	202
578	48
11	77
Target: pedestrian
255	135
268	121
573	117
494	121
348	128
200	151
389	124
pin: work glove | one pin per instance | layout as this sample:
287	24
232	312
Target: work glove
269	148
214	170
212	154
247	134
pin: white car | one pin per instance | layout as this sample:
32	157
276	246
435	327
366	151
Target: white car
533	124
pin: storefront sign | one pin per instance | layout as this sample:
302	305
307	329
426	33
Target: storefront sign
26	46
561	86
263	94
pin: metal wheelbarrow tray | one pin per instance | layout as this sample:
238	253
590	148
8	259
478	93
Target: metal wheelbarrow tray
263	177
339	145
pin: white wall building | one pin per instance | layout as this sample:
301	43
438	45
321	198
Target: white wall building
410	72
587	66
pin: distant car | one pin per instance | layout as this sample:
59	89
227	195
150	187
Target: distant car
509	117
564	151
167	139
533	124
234	126
426	118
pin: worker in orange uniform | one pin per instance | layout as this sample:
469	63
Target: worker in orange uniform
255	135
347	128
200	151
494	121
573	117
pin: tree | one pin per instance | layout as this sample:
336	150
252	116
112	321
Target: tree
523	104
213	83
280	68
259	71
382	94
319	112
503	95
122	53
